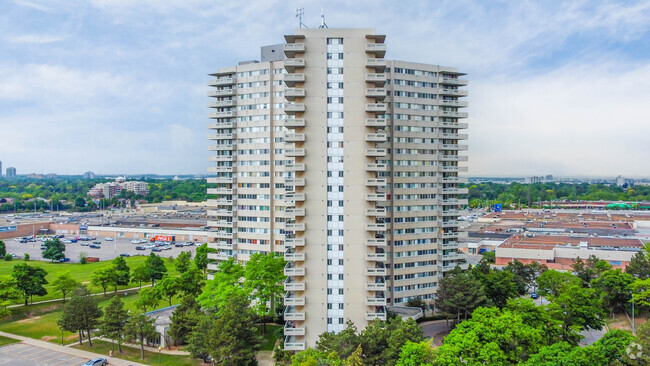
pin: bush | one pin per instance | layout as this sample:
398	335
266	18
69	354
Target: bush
8	257
82	258
26	256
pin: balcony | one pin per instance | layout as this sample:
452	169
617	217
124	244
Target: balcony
453	147
452	92
295	137
448	224
378	212
376	182
378	49
376	152
458	125
222	92
452	158
376	271
376	301
221	125
222	147
220	213
376	227
450	245
376	122
376	107
452	81
221	169
290	313
294	286
293	108
376	286
295	167
294	257
375	197
290	49
291	270
294	346
298	197
376	137
454	136
298	182
376	242
454	190
292	79
219	190
378	79
225	114
293	93
453	103
294	242
451	267
291	331
220	223
379	64
294	122
293	300
453	114
379	93
212	267
223	256
373	316
294	152
222	158
296	212
291	64
376	167
454	202
299	226
222	81
452	256
223	245
222	103
376	257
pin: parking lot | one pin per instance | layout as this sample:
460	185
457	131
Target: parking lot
21	354
108	249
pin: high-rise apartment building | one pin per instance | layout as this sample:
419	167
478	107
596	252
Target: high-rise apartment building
11	172
348	164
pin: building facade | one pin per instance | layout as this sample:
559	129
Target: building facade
347	163
11	172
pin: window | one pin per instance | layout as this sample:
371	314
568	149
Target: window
335	41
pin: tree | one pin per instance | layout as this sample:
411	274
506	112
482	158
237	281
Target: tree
613	287
3	249
30	280
9	292
490	257
122	271
523	275
104	278
310	357
140	327
342	343
416	354
199	340
552	283
355	358
54	250
382	340
81	313
499	287
184	319
577	307
201	257
540	318
490	337
639	266
225	284
183	262
148	298
64	284
264	274
155	267
140	274
233	339
167	288
459	294
416	302
114	321
192	281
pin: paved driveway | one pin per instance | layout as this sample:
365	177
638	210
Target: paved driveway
20	354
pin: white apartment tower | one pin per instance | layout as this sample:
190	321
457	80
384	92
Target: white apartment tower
345	162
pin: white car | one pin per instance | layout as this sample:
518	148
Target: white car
135	241
108	238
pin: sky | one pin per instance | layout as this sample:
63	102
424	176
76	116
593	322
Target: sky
119	86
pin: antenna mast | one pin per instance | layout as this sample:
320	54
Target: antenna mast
322	19
299	13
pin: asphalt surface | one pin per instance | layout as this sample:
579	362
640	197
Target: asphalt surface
21	354
108	250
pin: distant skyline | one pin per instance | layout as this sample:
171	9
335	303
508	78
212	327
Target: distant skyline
555	87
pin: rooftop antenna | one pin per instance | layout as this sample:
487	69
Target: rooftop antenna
322	19
299	13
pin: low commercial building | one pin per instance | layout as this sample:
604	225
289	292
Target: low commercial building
559	252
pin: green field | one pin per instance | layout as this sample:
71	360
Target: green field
5	341
133	354
81	272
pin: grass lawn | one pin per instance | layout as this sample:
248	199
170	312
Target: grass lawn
133	354
39	321
270	337
81	272
5	341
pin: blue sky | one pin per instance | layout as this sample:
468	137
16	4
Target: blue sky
118	86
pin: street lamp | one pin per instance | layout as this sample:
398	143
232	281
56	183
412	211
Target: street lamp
159	351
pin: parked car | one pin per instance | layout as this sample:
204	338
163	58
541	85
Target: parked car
96	362
135	241
13	255
178	245
166	247
108	238
97	242
94	246
156	249
83	244
140	247
534	295
125	255
64	260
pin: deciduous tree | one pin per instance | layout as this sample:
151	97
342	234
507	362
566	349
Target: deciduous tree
9	292
140	274
459	294
226	283
80	313
552	283
264	274
54	250
183	262
30	280
114	321
155	267
167	288
140	327
104	278
122	271
64	283
184	319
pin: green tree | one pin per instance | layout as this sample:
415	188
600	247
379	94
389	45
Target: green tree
639	266
552	283
104	278
9	292
577	307
264	274
540	318
382	340
167	288
155	267
613	287
64	283
311	357
342	343
459	294
184	319
3	249
139	327
523	275
183	262
355	358
140	274
114	321
81	313
499	287
54	250
201	257
199	340
122	271
148	298
192	281
490	257
416	354
30	280
225	284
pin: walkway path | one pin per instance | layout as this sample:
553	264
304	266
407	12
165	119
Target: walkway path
68	350
136	289
165	351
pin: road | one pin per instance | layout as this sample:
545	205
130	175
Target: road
108	250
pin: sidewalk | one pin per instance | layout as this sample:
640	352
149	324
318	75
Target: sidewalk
164	351
108	293
68	350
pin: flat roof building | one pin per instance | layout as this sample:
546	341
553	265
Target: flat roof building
347	163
